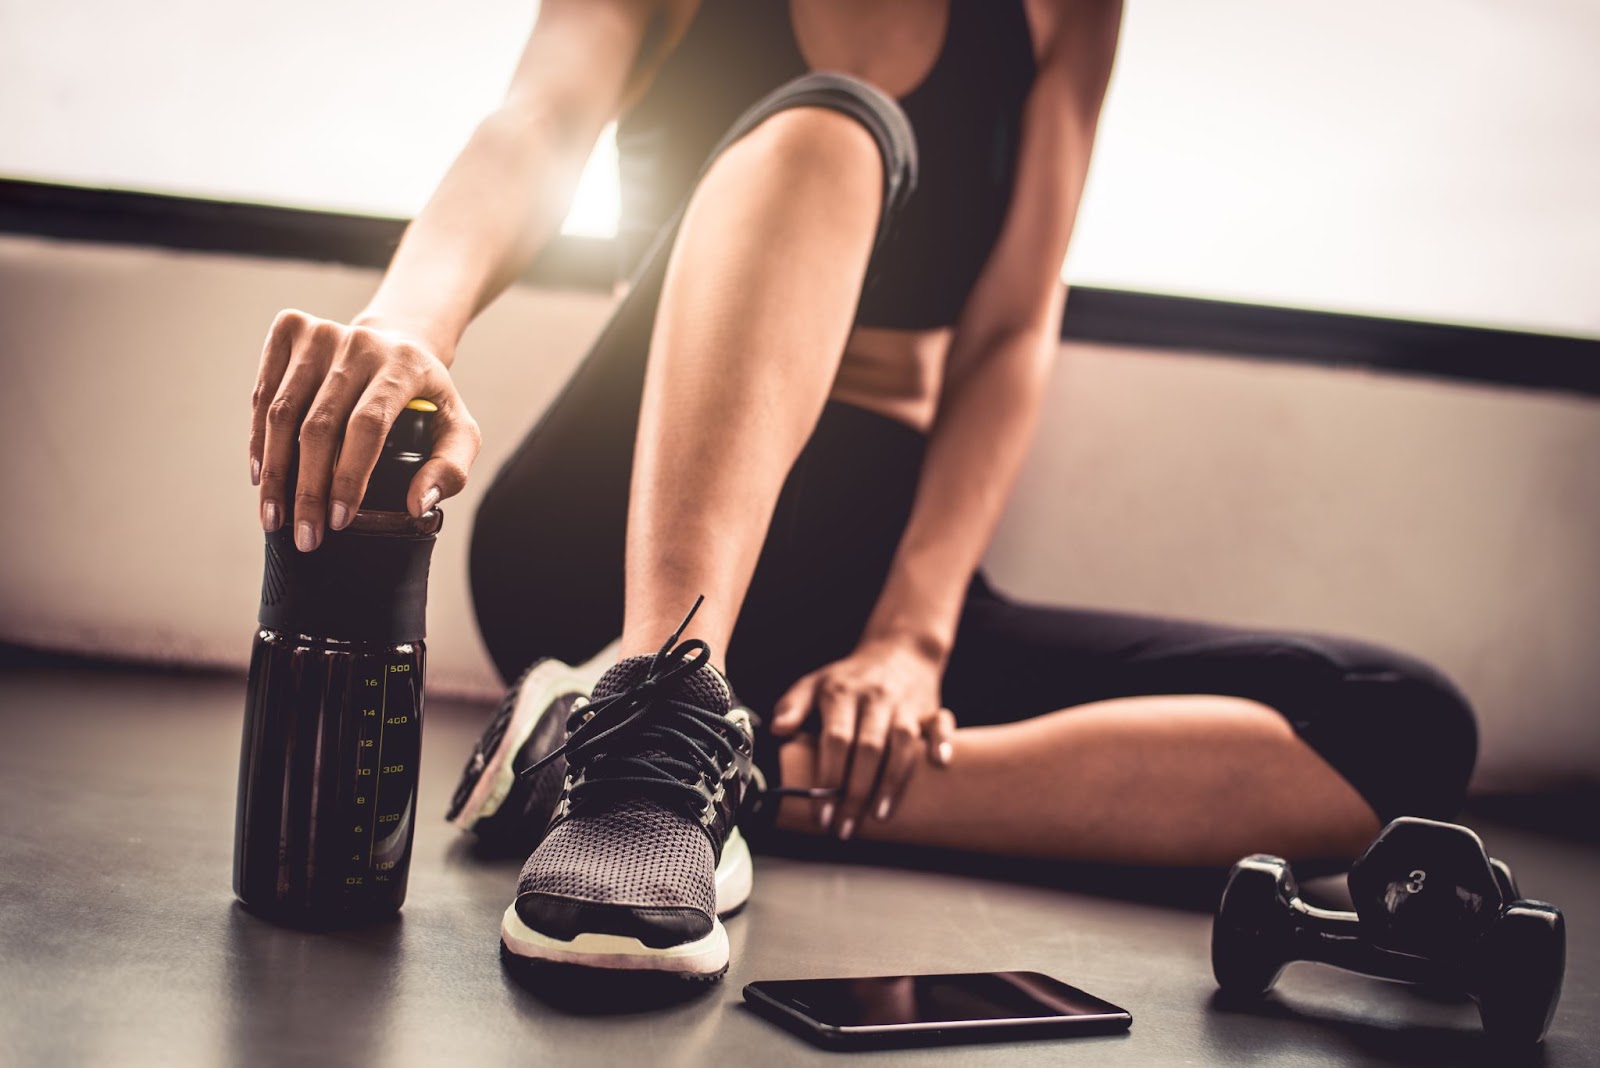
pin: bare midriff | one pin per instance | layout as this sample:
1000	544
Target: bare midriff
896	373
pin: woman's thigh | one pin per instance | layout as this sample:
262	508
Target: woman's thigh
1394	726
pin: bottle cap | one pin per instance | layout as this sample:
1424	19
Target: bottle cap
405	450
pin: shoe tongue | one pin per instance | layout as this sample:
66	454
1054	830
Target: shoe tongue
703	687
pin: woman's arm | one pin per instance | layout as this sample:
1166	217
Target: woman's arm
1005	343
878	703
334	389
511	185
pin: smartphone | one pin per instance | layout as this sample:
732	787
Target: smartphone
879	1011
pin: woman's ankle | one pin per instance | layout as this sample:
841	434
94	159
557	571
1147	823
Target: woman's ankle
797	764
644	632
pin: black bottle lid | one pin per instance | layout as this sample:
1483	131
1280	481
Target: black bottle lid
405	450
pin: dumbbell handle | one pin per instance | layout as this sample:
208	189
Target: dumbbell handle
1333	937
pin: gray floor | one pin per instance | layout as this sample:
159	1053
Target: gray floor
120	943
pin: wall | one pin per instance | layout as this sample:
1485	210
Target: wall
1457	522
1434	159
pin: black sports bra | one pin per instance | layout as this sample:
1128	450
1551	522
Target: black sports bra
967	115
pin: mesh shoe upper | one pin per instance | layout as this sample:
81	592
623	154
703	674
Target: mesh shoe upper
544	784
519	818
652	862
522	817
657	766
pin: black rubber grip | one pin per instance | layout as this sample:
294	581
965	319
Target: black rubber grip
353	587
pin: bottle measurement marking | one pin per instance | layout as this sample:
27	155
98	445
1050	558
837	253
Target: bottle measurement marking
395	770
383	714
381	779
365	784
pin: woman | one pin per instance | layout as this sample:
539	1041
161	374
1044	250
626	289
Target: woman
809	410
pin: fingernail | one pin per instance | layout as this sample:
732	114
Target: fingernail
826	816
429	499
255	471
945	752
338	515
269	516
304	539
883	809
846	829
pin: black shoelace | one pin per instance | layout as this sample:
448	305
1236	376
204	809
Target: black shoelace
644	741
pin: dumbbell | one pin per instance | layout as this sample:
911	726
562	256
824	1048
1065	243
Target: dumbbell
1431	908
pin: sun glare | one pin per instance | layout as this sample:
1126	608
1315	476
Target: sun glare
597	202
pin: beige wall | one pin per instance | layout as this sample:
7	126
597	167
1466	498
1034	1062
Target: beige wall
1457	522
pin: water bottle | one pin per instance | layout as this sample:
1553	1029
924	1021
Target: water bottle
333	715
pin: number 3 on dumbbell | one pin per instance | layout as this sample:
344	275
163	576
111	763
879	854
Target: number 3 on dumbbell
1471	931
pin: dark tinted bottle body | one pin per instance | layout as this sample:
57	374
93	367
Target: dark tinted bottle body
328	777
328	766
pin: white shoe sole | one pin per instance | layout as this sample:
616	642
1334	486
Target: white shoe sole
703	958
540	689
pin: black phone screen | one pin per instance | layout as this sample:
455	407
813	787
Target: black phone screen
968	997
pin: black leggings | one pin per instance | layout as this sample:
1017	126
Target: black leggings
547	568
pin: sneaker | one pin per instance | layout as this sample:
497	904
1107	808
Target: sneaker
642	859
505	809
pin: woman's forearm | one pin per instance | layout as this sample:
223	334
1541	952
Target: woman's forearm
508	189
1006	341
495	208
975	450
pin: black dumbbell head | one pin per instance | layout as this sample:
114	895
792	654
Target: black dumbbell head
1520	969
1253	934
1425	888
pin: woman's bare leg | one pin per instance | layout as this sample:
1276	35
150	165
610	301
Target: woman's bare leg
756	308
1179	779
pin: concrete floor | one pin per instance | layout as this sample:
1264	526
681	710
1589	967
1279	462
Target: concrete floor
120	943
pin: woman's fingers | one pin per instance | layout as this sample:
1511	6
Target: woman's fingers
274	360
455	446
792	707
329	394
905	751
313	352
322	434
941	737
900	760
838	707
865	762
368	425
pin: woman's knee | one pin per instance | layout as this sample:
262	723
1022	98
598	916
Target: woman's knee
824	121
816	143
1403	732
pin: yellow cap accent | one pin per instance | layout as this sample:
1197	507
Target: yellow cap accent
420	405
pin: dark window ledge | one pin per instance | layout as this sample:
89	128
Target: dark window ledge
1119	317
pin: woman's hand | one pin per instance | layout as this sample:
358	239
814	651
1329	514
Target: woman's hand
338	389
877	705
